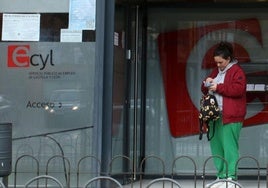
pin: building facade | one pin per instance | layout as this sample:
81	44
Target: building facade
84	82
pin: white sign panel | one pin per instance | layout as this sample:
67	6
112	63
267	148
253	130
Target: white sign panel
82	14
21	27
68	35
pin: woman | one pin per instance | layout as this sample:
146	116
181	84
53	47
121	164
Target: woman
228	84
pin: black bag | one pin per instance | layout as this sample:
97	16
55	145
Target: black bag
209	111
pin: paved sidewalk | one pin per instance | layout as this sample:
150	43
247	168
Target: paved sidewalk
199	184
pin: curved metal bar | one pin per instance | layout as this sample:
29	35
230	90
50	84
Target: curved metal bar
225	181
44	177
78	165
117	157
103	178
145	159
16	165
257	163
205	163
2	184
130	172
66	172
62	152
163	180
187	157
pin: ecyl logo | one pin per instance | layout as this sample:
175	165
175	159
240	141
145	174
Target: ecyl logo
19	56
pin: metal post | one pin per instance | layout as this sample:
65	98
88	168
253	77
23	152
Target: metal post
135	93
104	61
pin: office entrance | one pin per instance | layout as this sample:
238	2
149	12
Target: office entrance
162	53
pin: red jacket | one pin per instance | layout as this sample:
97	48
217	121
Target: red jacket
233	91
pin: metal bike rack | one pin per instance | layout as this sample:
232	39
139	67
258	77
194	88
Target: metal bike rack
128	173
184	157
142	165
99	178
2	184
66	171
257	163
98	163
236	184
47	177
205	163
172	181
16	167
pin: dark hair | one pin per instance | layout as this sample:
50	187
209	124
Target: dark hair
225	50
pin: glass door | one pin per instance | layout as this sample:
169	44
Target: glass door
129	86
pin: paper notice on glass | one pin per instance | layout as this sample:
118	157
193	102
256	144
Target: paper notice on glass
259	87
68	35
116	39
82	14
21	27
250	87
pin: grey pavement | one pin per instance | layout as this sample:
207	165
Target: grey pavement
199	184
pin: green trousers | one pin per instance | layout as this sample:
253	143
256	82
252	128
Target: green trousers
225	144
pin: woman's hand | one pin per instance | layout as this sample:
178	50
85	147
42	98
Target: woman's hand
213	87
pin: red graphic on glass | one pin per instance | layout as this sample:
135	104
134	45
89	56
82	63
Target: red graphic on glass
175	49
